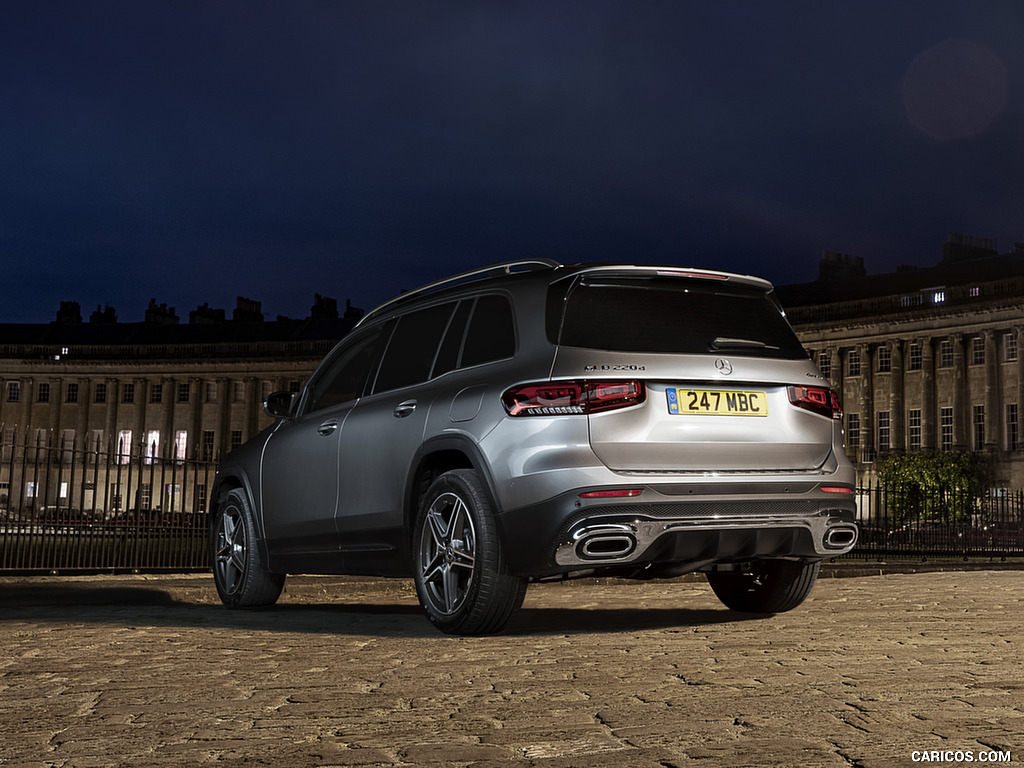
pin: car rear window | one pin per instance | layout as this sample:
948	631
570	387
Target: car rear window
666	315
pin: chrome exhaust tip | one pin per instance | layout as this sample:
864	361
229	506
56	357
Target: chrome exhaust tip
840	537
608	546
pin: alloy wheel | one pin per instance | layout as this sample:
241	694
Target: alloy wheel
447	553
230	554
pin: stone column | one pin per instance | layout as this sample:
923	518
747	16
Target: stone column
961	409
929	407
993	394
897	415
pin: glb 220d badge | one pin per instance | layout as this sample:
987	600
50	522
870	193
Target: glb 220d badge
590	368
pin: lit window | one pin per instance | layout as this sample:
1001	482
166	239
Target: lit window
124	446
152	446
180	445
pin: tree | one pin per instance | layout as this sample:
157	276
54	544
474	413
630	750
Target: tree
943	486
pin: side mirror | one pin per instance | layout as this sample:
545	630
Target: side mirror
279	405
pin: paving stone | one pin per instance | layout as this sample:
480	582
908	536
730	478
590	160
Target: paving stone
152	671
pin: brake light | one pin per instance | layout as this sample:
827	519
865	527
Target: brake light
820	400
556	398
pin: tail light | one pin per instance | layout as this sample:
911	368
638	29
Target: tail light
820	400
555	398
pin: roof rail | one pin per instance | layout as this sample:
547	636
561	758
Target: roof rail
492	270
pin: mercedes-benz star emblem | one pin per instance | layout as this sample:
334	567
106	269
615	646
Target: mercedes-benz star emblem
724	366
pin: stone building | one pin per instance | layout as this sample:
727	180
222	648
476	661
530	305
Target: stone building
159	390
924	358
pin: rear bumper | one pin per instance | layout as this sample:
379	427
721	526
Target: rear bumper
720	525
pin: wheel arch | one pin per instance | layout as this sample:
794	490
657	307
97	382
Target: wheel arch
435	457
235	478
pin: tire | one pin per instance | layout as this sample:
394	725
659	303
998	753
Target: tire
765	586
462	580
242	579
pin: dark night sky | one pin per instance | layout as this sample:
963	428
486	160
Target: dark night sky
195	151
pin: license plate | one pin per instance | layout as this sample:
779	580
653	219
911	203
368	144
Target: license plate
717	402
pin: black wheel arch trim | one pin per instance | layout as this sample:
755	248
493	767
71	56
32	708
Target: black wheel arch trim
452	442
236	477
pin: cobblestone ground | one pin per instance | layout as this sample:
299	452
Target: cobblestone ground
148	671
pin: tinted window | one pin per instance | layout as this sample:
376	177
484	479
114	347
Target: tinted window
410	353
674	316
491	334
344	378
448	354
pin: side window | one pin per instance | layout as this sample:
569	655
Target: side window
491	334
448	354
345	377
410	354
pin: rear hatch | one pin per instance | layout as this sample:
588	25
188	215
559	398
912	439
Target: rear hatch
727	386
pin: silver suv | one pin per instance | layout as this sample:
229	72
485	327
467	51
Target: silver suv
534	421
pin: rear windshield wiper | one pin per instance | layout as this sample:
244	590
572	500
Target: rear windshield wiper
722	342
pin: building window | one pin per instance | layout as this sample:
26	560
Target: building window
978	423
180	444
100	394
914	362
977	351
206	446
43	393
946	428
124	446
128	392
152	446
71	393
239	388
914	429
1012	427
946	354
1010	348
200	498
884	431
853	363
294	386
13	391
884	360
156	393
184	392
825	363
938	297
236	438
211	392
853	430
146	496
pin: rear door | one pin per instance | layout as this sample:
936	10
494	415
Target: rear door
717	358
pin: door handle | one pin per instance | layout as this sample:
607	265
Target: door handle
327	427
404	409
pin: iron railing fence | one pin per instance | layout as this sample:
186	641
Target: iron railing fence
944	523
65	506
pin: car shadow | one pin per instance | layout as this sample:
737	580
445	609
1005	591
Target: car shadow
401	617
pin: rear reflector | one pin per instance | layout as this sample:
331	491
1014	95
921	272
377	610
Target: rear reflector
557	398
836	489
820	400
617	493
